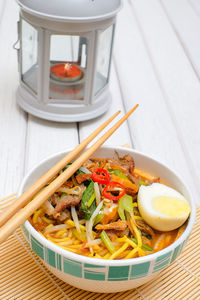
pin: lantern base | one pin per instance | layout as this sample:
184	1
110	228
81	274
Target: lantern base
63	112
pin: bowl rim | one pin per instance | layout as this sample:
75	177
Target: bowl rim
102	262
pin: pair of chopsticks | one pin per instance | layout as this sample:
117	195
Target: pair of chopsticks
17	213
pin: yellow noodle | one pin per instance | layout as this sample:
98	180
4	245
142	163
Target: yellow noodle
141	252
82	227
107	256
96	247
138	218
131	254
137	232
74	246
67	248
72	224
49	226
69	234
103	252
98	256
76	242
126	252
47	220
119	251
121	240
66	243
131	243
57	240
36	215
60	232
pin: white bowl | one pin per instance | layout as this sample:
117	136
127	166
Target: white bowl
99	275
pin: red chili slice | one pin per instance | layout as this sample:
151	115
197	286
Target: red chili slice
100	175
109	188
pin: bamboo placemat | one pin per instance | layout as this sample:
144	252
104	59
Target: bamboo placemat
22	276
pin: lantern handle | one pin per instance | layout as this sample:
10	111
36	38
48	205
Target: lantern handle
15	45
18	39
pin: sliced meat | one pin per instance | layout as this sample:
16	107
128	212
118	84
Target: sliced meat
131	192
123	233
127	162
114	234
91	166
132	178
83	177
96	159
68	184
66	201
144	227
54	199
119	225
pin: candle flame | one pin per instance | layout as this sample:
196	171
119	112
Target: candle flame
67	66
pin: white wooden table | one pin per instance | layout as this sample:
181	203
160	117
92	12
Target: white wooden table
156	64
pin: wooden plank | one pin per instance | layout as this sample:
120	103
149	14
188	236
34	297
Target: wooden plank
12	119
180	86
2	5
154	130
184	16
122	136
44	138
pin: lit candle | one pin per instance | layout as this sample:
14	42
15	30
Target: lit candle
66	72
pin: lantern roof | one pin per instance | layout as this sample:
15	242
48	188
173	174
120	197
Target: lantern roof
72	10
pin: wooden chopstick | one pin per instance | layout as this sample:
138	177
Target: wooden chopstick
50	174
21	216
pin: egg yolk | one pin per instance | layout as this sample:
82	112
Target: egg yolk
170	206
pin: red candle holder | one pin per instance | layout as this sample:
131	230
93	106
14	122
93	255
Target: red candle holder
67	72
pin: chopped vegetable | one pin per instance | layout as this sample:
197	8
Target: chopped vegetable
142	182
143	245
62	195
118	173
118	167
90	201
144	175
84	170
107	242
125	204
97	193
101	176
79	235
75	218
76	190
126	183
113	187
84	202
98	219
91	221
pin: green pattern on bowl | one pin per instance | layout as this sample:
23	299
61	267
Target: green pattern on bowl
97	272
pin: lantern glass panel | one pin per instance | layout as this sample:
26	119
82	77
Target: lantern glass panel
68	64
103	59
29	66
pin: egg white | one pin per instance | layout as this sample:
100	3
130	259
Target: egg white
155	218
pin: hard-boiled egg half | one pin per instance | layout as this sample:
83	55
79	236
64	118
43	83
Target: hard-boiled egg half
162	207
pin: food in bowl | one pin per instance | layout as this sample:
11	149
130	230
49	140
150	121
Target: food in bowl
108	275
109	209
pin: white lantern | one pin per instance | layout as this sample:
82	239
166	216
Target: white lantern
64	57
